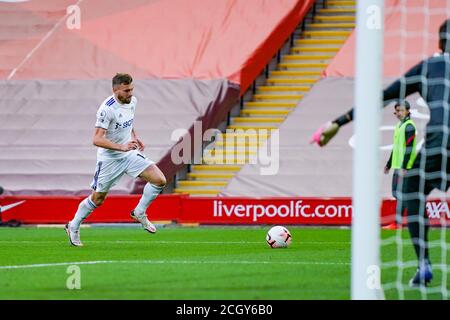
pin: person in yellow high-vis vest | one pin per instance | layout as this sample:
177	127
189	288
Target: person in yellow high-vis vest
403	150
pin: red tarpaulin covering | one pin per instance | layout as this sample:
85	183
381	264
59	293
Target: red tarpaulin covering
410	35
171	39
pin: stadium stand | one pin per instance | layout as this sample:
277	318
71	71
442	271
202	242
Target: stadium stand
190	63
308	171
313	45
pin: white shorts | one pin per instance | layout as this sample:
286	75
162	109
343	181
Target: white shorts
108	172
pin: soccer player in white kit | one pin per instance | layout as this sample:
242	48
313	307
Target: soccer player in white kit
119	152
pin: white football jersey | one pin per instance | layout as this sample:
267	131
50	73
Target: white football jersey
117	119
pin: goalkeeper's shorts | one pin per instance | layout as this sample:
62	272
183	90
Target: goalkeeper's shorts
429	172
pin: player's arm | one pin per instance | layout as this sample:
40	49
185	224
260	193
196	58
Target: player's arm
411	82
100	140
410	135
388	164
141	145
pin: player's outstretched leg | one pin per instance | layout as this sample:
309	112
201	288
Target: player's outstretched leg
85	208
155	184
418	230
146	224
74	236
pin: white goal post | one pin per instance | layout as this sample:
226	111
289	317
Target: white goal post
365	253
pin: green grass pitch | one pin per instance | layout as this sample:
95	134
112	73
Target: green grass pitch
189	263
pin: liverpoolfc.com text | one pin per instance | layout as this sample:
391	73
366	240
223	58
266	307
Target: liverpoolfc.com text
292	210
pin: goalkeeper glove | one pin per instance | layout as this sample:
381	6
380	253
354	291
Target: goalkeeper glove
325	133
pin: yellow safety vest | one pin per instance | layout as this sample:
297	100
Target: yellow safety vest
399	148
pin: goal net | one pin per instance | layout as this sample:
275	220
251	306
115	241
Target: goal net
418	241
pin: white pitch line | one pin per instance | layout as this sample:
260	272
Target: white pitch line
58	264
164	242
32	51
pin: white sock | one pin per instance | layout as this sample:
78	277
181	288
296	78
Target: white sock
84	210
150	193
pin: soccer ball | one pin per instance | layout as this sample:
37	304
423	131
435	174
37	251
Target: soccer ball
278	237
